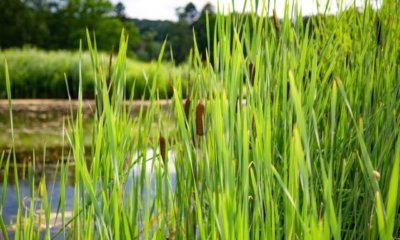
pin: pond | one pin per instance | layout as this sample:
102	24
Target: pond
39	150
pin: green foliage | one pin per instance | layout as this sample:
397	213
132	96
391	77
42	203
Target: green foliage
179	35
180	39
60	25
40	74
312	153
16	23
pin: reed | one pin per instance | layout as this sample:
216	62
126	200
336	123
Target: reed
319	161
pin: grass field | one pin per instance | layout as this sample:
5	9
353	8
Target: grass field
43	74
313	152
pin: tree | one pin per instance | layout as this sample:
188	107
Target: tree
181	41
15	23
187	14
119	10
200	27
96	16
60	24
181	35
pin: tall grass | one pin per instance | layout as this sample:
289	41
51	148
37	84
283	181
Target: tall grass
41	74
312	153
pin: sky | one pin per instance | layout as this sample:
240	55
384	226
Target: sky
165	9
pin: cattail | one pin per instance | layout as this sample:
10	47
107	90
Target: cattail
170	91
200	115
163	146
275	16
186	107
287	90
252	71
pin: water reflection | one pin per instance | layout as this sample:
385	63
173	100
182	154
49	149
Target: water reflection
48	175
36	175
38	133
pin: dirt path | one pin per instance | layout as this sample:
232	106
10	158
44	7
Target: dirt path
63	106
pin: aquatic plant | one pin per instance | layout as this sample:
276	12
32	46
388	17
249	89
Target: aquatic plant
318	160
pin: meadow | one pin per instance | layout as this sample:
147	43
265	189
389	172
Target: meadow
44	74
288	131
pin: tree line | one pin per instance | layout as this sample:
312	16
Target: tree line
178	35
60	24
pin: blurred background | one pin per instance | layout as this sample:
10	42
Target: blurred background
60	24
40	40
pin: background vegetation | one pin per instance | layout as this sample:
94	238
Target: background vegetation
43	74
60	24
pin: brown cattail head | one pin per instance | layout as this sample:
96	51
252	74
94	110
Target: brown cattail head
252	71
163	146
200	117
170	90
186	107
276	26
288	90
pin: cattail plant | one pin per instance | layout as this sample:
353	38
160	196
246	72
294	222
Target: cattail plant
163	147
276	26
186	107
200	117
304	168
252	71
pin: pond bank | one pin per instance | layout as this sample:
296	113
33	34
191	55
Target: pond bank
39	123
63	106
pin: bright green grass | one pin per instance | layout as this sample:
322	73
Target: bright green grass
313	154
41	74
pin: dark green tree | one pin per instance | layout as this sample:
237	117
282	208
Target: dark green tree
181	35
204	42
60	24
187	14
15	23
119	10
96	16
